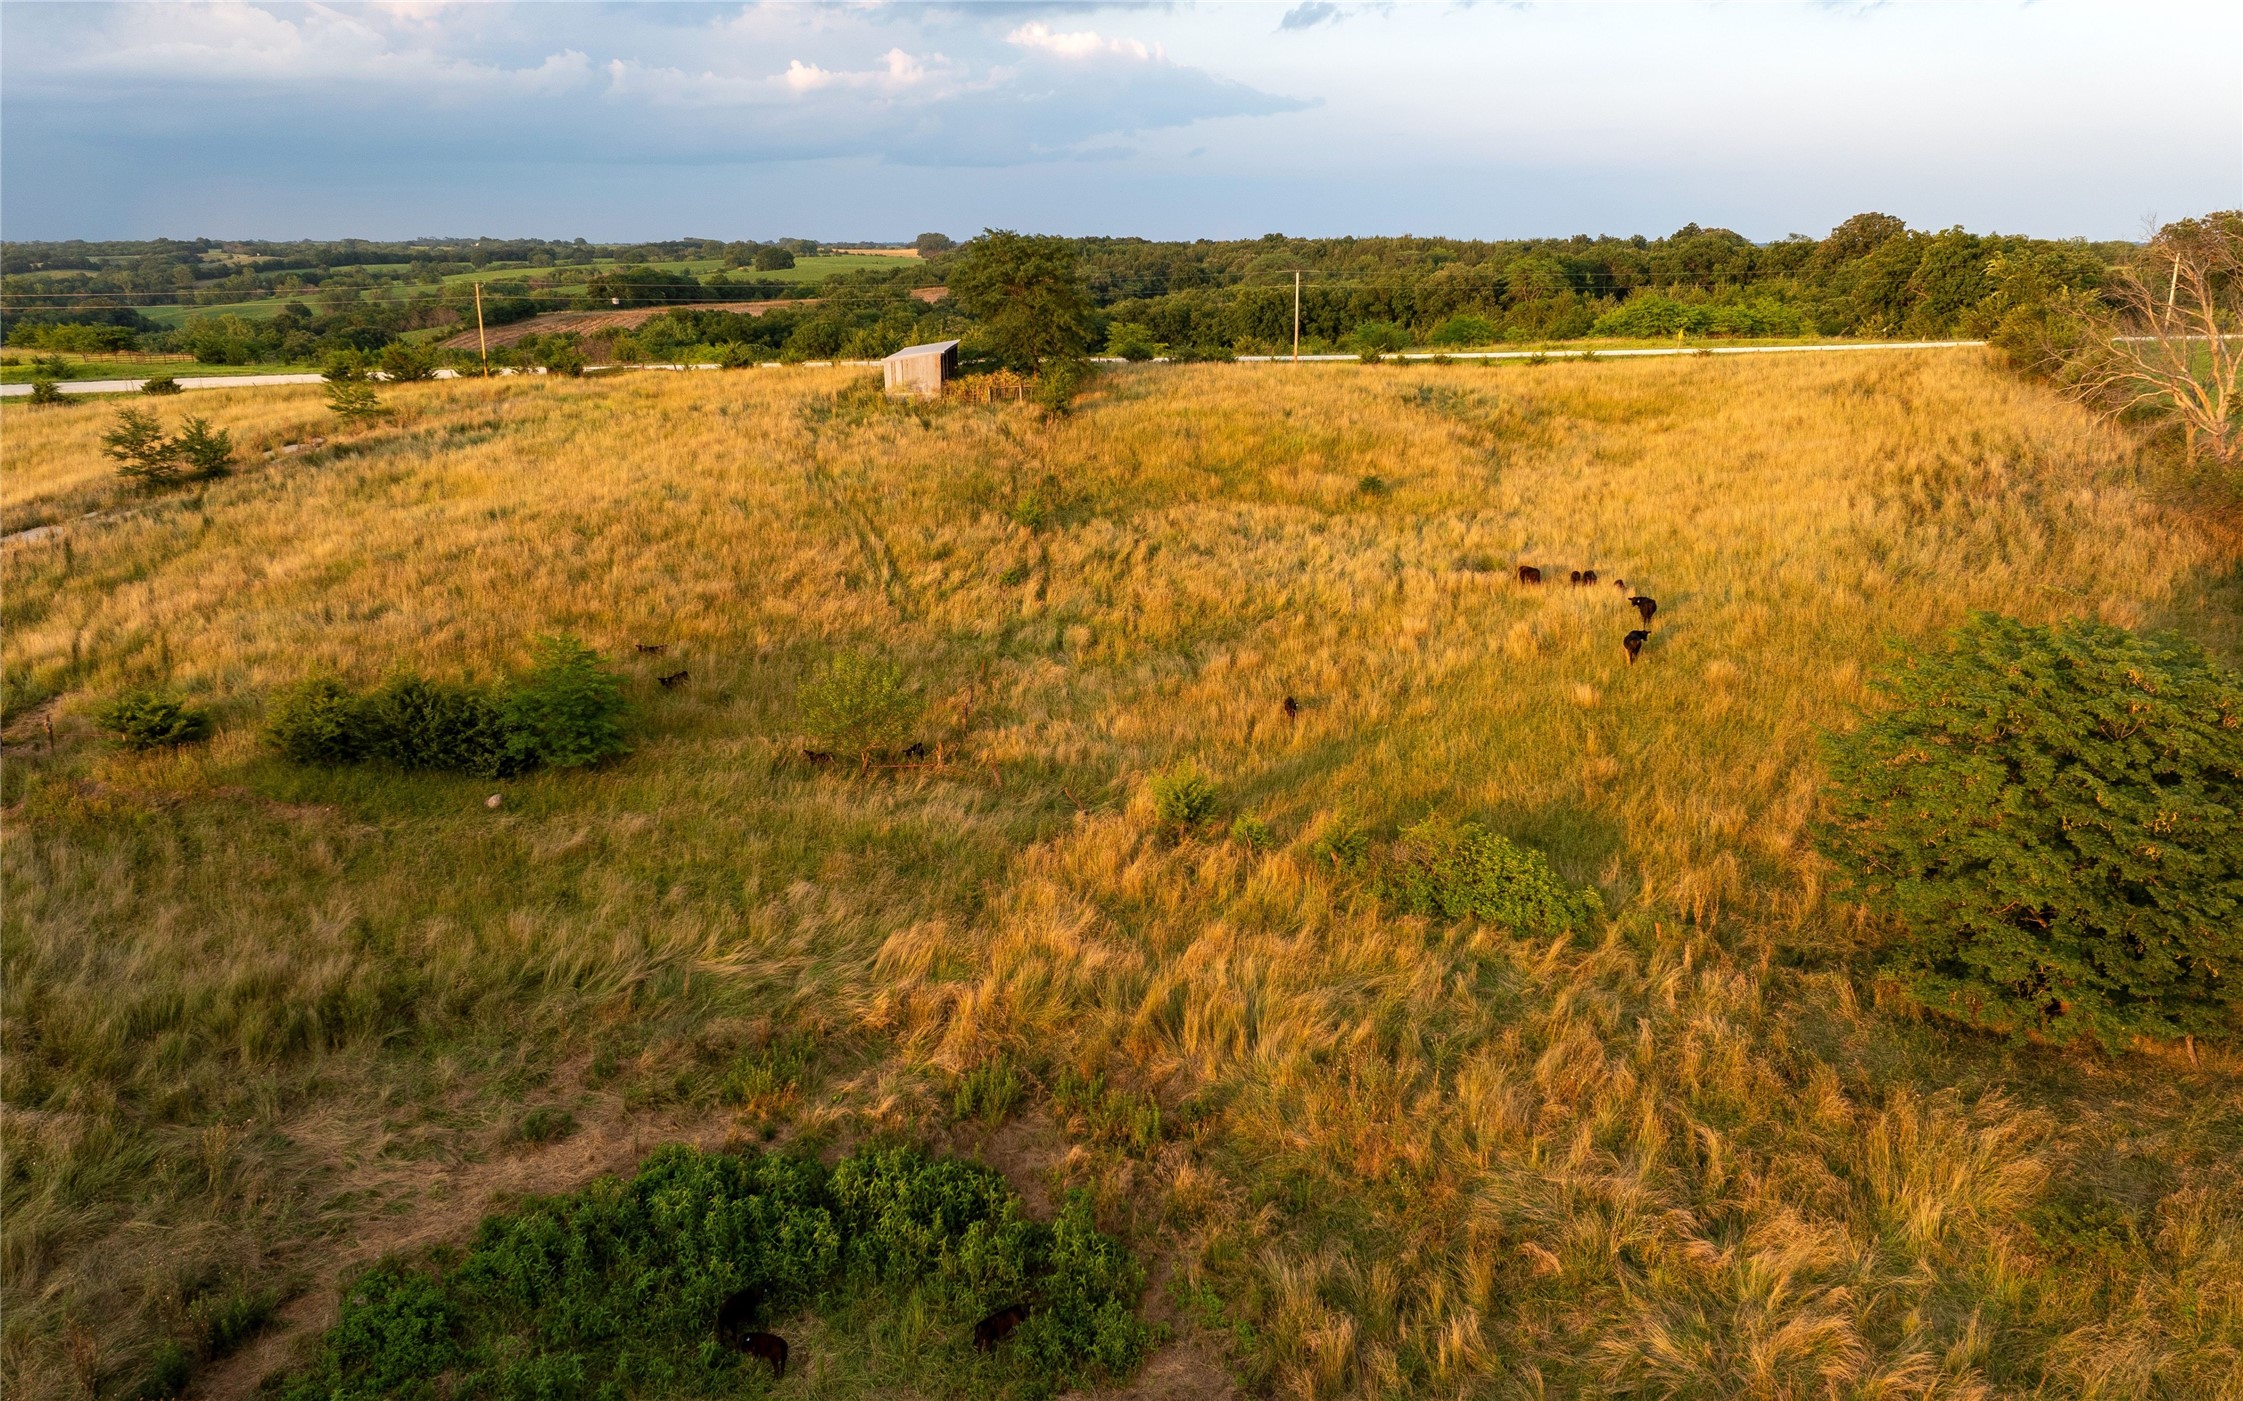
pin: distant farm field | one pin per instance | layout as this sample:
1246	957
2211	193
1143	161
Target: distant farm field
266	1024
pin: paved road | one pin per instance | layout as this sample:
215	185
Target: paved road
132	386
1619	354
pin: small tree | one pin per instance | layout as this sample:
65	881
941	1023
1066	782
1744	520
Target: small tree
1025	293
930	244
566	711
160	385
354	402
202	451
45	393
143	454
2054	818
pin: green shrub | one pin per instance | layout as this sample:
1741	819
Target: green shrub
406	363
1059	381
352	400
1252	831
567	710
614	1290
1466	329
1460	870
1182	797
564	712
2054	819
1130	341
320	721
45	392
203	452
419	724
137	444
152	718
1375	337
859	704
160	385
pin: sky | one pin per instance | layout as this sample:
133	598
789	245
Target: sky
879	121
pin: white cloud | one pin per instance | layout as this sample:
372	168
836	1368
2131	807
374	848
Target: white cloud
1084	43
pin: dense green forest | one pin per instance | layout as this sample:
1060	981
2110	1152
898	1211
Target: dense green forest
256	302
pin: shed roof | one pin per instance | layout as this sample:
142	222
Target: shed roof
910	352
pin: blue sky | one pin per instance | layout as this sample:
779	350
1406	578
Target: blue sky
879	121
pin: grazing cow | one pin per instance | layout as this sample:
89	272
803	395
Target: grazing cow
1528	574
675	678
816	756
998	1326
1588	576
653	649
1634	643
916	750
1645	606
1620	584
770	1347
1577	578
1292	707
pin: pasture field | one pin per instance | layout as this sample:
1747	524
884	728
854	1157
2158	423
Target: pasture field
264	1024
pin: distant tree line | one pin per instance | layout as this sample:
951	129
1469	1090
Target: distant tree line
1872	276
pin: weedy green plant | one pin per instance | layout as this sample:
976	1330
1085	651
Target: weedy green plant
2054	818
615	1290
1460	870
1182	797
1252	831
152	718
988	1092
858	704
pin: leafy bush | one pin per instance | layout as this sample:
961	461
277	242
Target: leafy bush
1182	797
1379	337
2055	819
45	392
320	721
152	718
1252	831
566	711
406	363
160	385
1460	870
1466	330
1130	341
859	704
614	1290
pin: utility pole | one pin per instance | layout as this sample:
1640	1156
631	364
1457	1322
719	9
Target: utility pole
480	339
1297	316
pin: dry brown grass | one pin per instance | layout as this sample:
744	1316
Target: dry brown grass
1692	1156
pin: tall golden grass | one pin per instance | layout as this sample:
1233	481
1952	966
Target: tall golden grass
1702	1153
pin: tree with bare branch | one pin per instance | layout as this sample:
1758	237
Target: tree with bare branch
2166	336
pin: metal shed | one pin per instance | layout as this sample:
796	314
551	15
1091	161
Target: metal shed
921	369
